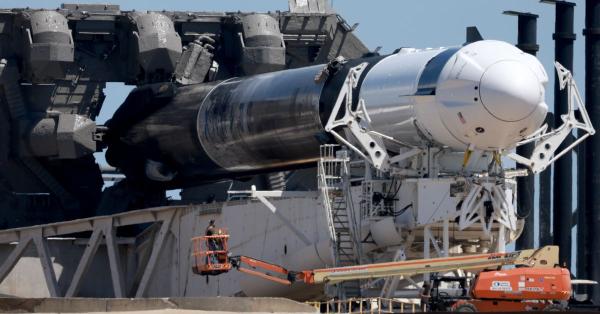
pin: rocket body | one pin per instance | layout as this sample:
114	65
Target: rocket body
486	95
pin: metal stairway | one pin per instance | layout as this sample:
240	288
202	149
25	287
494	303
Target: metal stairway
334	187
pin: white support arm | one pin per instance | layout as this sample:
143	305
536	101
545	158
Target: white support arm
544	153
254	193
357	122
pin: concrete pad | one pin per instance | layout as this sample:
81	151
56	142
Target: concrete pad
171	311
153	305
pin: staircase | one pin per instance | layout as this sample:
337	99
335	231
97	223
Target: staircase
334	187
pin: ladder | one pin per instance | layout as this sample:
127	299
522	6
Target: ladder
334	187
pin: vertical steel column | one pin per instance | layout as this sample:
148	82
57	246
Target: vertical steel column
592	161
526	41
582	210
563	174
545	197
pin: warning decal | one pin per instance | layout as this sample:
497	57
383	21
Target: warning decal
501	286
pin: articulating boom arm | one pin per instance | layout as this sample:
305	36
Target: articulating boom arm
263	270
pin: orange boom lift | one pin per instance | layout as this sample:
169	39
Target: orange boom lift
534	283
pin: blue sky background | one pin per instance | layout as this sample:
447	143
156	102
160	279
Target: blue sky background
387	23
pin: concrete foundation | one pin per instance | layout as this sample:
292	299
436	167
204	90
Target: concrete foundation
165	305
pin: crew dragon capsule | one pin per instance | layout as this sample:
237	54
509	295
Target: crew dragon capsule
487	95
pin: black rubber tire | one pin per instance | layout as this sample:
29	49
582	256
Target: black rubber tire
465	307
554	308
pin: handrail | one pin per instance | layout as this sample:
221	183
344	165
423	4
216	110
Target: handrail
366	305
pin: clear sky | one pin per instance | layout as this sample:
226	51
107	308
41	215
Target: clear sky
387	23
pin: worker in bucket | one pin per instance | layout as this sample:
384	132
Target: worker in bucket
213	244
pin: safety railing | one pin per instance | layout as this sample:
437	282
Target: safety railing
210	253
367	305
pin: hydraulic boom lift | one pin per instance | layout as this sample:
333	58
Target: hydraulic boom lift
534	283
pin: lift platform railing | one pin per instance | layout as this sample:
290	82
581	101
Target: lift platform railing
211	253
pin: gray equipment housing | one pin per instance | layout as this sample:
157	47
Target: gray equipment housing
54	65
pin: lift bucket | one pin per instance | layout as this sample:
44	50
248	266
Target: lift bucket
210	254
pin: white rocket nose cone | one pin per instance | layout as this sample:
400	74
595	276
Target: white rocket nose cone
510	90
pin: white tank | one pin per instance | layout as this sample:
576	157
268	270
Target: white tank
488	95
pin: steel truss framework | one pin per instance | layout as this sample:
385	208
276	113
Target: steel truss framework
103	231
